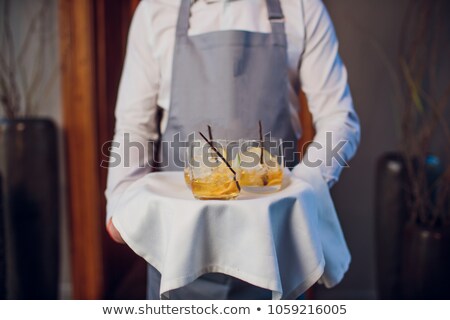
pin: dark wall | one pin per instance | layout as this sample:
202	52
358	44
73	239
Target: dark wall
368	33
362	25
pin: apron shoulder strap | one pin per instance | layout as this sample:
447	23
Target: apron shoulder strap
276	16
274	10
183	18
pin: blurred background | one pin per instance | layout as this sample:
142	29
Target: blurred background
60	66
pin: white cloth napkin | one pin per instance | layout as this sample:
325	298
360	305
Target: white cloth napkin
284	241
334	247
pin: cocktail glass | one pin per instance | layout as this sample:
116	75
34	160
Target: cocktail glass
214	170
262	165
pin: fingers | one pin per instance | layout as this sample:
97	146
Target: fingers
113	232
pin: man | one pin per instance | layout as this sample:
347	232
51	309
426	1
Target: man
229	64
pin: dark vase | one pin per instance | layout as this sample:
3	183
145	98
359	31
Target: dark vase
29	170
426	262
391	217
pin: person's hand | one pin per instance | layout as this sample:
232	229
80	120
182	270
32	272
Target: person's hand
113	232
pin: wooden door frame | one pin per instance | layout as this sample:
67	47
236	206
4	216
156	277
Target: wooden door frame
80	133
82	45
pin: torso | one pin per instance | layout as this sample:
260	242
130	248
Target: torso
250	15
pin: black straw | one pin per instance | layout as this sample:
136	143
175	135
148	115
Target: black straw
261	160
210	133
223	159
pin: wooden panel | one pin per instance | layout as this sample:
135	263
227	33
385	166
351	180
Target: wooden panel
133	5
125	272
76	25
308	131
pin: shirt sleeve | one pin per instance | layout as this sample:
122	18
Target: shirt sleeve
136	111
323	78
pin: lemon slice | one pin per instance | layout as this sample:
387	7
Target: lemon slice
252	155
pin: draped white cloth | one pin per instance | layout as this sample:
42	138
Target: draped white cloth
284	241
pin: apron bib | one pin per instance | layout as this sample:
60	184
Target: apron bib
229	80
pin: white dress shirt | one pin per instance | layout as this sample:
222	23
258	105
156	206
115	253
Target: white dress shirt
314	66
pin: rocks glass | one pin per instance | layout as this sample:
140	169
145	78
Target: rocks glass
262	165
213	169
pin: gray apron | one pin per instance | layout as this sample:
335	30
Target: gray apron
229	80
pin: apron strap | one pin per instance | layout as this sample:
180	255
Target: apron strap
183	18
275	14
